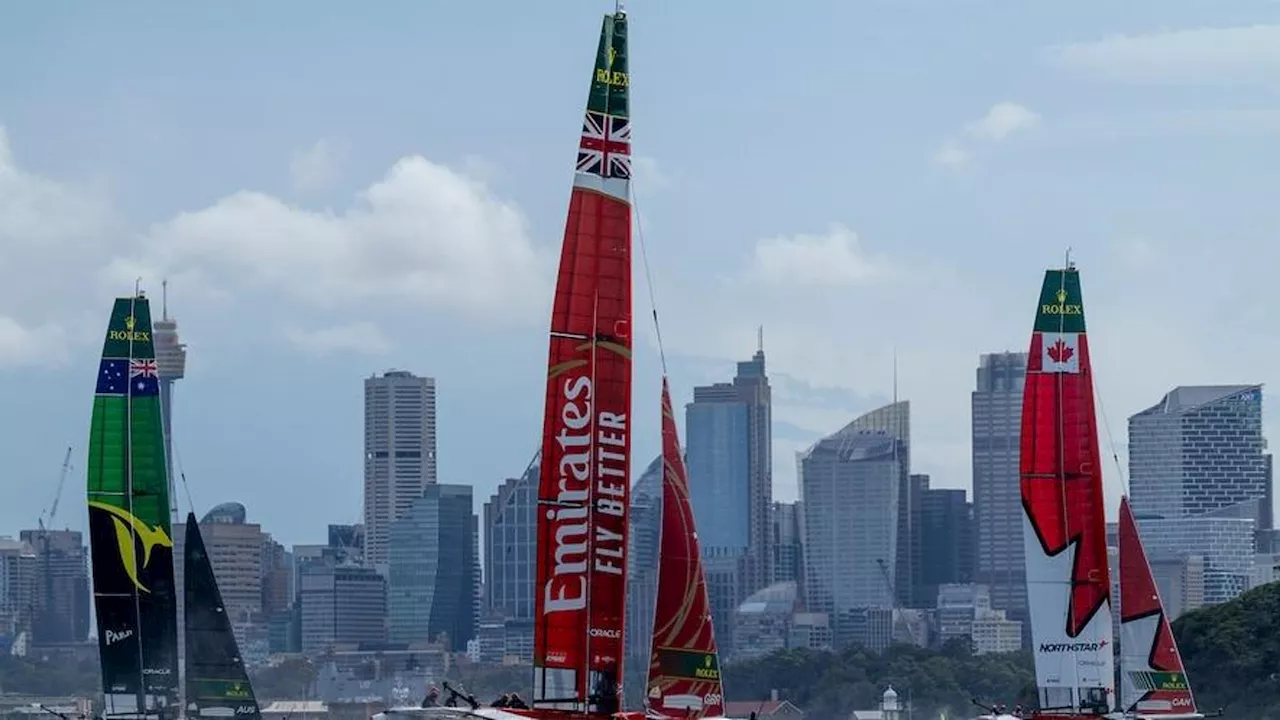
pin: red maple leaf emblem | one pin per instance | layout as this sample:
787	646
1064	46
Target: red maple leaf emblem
1060	352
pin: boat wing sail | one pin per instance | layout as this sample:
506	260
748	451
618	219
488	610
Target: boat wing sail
584	479
129	533
1153	681
1068	584
217	683
684	669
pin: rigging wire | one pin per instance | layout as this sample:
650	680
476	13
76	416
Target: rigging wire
648	278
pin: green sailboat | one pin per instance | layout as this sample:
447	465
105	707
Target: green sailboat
129	530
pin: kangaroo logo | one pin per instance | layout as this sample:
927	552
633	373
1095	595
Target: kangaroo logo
128	527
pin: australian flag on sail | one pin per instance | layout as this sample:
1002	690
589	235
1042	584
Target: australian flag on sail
117	376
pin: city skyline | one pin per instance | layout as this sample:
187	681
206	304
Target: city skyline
321	239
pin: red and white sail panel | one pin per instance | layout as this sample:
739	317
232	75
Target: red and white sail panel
1153	682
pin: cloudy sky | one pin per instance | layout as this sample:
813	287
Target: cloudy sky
334	190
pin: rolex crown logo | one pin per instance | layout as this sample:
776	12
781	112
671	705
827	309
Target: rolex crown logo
613	53
128	322
1062	296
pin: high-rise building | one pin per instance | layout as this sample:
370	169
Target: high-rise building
644	528
511	542
788	545
945	534
399	453
996	406
61	597
849	490
894	420
17	585
431	585
340	605
1200	452
1200	482
730	464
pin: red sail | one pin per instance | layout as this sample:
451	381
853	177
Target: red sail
586	446
1152	679
1068	584
684	670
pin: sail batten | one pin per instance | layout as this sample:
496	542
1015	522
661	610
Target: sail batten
129	522
584	480
1068	583
1153	682
684	666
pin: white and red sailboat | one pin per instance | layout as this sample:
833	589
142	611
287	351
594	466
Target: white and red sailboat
684	666
1153	682
1068	583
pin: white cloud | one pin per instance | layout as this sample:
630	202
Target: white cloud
804	260
424	236
1246	55
53	235
1001	120
41	345
317	167
951	155
362	338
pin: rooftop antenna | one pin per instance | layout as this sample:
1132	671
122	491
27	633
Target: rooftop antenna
164	299
760	338
895	375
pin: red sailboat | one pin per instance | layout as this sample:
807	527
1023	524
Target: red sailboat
684	669
1068	583
1153	682
586	448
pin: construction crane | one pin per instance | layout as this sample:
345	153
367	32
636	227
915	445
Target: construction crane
57	494
47	620
895	614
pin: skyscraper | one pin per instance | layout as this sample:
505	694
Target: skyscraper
399	453
1200	452
849	493
894	420
431	585
61	598
946	539
1200	482
996	405
729	434
511	541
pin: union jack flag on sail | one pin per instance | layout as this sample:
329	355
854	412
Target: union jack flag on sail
605	149
144	368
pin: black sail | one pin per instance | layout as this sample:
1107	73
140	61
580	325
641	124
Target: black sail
217	683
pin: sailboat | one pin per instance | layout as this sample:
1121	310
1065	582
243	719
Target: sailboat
684	670
1153	682
1064	528
584	483
584	477
129	534
217	684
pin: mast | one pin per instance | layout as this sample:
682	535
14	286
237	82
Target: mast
684	667
128	498
1068	583
1153	681
217	684
584	479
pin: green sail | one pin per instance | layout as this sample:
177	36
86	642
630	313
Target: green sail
129	532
